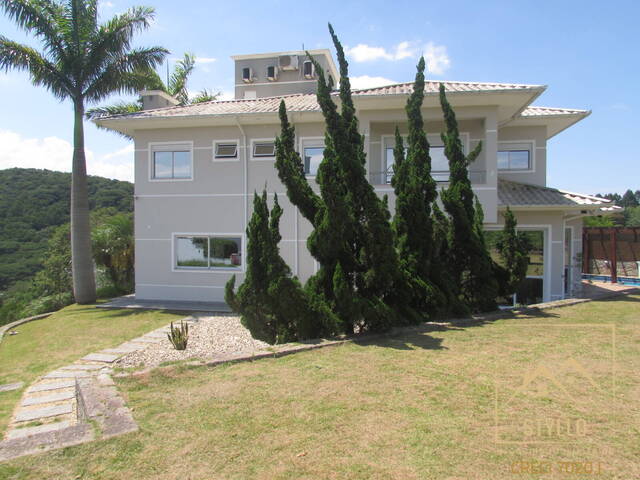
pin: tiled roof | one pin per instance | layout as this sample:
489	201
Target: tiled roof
434	86
533	111
521	194
306	102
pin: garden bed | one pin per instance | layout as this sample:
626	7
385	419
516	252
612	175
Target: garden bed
209	337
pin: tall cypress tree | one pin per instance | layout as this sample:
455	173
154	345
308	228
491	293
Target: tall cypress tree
471	265
352	237
416	191
273	305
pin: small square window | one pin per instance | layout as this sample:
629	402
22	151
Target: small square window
226	150
265	149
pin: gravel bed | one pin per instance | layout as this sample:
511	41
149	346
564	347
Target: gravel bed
210	336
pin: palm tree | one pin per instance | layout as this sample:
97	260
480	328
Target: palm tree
176	86
85	62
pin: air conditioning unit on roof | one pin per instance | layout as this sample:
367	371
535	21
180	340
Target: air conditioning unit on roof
288	62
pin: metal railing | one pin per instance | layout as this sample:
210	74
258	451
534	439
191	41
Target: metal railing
440	176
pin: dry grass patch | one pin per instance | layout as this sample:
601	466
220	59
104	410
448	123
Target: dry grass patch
64	337
421	406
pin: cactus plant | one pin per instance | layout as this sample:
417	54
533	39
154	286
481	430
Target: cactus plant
179	336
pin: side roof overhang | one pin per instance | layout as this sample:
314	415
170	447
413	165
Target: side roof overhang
555	119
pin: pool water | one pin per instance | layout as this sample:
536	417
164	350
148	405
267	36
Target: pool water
607	279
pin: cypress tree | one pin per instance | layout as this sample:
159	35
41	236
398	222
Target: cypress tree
352	238
471	266
273	305
416	191
514	248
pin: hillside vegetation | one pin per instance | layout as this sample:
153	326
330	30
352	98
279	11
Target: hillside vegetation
32	204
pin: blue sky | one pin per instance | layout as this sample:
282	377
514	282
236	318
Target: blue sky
585	51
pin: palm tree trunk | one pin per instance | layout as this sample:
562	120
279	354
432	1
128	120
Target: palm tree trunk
84	283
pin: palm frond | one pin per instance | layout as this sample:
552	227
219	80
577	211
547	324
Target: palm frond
128	73
177	85
114	37
120	108
17	56
205	95
40	18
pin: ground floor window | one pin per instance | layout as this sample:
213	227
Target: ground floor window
208	252
532	289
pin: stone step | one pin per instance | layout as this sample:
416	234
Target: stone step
144	339
55	385
156	334
7	387
52	397
28	431
82	366
122	349
45	412
101	357
67	374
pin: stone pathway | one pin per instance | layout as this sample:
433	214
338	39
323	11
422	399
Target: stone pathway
74	404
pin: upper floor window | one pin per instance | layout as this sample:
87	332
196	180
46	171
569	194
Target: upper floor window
264	149
514	156
171	162
312	158
226	149
312	152
439	164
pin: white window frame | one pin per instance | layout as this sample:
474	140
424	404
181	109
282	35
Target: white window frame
210	270
309	142
529	145
169	147
226	142
254	141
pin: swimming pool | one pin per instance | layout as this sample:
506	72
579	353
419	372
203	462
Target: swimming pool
607	279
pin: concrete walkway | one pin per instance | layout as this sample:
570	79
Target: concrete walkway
130	301
74	404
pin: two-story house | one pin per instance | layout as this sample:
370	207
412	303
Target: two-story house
197	167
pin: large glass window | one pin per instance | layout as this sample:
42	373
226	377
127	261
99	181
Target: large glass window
514	160
312	158
531	290
439	164
210	252
171	164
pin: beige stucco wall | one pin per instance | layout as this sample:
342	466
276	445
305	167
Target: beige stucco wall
538	138
218	200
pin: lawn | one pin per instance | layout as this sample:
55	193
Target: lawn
44	345
417	406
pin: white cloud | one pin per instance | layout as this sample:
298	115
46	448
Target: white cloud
205	60
366	53
107	4
365	81
55	153
438	61
620	106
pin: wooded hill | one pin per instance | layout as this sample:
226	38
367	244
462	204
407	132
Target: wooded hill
32	203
